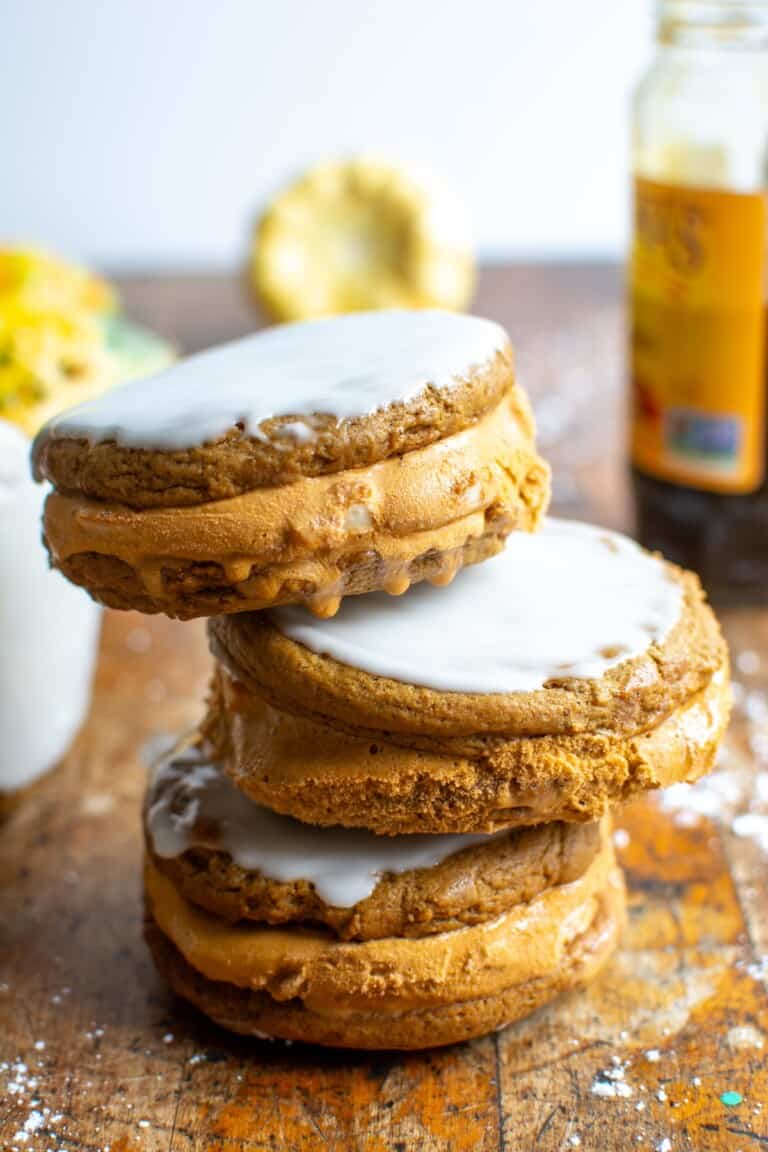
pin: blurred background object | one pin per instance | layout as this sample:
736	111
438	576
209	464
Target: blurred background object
48	635
146	135
698	294
63	337
361	234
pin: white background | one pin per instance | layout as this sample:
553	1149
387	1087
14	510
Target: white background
146	133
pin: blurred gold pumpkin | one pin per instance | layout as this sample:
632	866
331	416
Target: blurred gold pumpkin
360	235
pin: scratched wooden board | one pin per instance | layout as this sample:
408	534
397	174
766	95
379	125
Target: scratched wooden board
94	1053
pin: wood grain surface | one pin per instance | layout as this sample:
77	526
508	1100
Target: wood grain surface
96	1056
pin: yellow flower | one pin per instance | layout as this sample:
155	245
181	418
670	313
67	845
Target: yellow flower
49	359
43	279
61	338
360	235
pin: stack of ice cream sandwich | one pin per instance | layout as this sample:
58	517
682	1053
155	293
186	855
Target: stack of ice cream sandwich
391	829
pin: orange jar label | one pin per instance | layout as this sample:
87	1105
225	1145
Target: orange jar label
698	336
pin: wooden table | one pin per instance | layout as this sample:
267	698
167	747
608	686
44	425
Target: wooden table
96	1055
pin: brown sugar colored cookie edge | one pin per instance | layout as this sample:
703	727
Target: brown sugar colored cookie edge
190	590
255	1013
469	887
238	462
393	789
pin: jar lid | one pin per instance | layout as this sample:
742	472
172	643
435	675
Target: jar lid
713	23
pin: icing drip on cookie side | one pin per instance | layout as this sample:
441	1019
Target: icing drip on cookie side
573	600
192	803
343	366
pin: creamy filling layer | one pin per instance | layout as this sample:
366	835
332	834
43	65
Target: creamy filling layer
288	750
464	478
391	974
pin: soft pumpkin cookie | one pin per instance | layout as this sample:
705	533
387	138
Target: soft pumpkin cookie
565	675
300	982
299	465
240	861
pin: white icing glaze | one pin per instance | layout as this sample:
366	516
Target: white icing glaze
570	600
344	366
48	629
193	803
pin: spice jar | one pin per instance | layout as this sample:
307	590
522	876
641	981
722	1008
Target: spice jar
697	295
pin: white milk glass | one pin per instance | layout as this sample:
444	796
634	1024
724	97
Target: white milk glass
48	632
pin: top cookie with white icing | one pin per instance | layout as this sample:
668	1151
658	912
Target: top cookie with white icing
299	399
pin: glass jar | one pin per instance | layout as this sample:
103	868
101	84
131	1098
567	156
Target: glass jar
698	295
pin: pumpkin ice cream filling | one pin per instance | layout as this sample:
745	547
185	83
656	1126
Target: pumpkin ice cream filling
312	532
393	974
316	772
